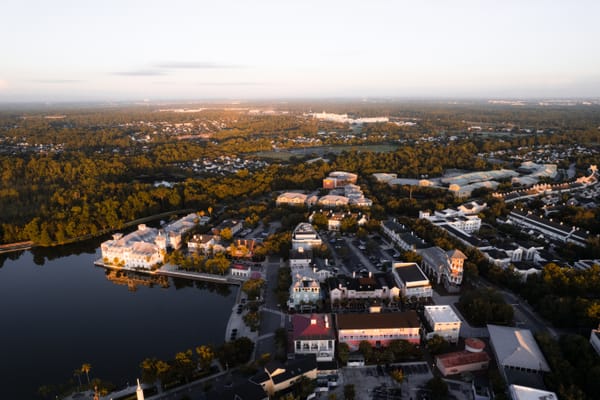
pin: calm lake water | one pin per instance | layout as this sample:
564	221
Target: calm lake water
59	311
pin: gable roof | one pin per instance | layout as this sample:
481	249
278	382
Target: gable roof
517	348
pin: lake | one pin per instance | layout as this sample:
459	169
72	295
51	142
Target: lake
59	311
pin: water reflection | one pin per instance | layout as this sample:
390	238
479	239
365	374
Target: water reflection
132	280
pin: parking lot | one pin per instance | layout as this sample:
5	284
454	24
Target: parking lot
374	382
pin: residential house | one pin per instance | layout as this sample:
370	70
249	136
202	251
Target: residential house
314	334
378	286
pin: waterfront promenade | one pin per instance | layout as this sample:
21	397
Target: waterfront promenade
172	271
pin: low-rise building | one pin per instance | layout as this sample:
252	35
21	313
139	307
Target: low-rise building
202	243
305	236
333	201
314	334
519	358
518	392
378	329
339	179
305	291
456	218
411	281
374	287
277	376
233	225
291	199
402	237
442	321
444	266
240	271
472	359
549	228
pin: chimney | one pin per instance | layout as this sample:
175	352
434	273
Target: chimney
313	321
354	274
326	322
370	274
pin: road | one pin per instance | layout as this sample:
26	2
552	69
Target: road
525	316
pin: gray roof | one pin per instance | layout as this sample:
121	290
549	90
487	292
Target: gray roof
516	348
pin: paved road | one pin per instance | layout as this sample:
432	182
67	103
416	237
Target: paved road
271	318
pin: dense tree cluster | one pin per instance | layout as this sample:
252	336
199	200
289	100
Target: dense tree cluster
485	306
574	364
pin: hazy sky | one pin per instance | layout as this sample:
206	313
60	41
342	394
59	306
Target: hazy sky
129	50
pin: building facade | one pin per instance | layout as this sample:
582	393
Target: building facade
378	329
314	334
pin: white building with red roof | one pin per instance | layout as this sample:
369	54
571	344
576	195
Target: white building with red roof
314	334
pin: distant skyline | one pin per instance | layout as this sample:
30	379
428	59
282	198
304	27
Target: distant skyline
111	50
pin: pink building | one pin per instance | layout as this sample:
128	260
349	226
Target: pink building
378	329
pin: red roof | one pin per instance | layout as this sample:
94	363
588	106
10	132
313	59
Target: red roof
304	329
464	357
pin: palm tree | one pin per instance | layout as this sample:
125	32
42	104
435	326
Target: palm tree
87	368
77	373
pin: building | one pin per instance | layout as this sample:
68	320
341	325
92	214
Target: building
300	258
518	392
518	356
374	287
338	179
549	228
203	243
442	321
411	281
333	201
177	229
377	329
384	177
314	334
233	225
277	376
305	291
445	266
497	257
472	208
240	271
472	359
402	237
455	218
595	340
334	219
143	248
305	237
291	199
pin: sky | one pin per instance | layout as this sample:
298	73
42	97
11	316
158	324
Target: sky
110	50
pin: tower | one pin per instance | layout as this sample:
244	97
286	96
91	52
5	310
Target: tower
139	392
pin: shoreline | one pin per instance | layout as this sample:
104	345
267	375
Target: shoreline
169	270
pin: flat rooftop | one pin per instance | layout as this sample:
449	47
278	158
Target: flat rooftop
409	272
441	314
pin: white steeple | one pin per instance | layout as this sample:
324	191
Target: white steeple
139	392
